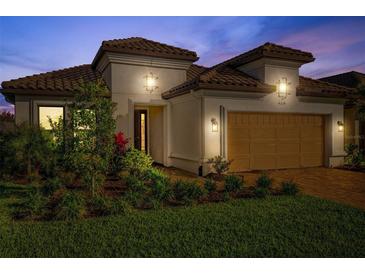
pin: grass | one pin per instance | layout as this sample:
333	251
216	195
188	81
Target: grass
299	226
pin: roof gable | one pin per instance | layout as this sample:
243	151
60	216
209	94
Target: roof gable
145	47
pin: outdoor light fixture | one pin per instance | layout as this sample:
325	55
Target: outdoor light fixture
282	90
151	82
340	126
214	125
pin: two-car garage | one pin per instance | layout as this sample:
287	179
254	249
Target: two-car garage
274	140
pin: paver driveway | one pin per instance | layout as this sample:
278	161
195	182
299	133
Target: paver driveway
347	187
343	186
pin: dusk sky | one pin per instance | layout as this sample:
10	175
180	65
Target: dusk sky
31	45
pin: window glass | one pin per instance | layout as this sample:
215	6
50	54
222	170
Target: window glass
46	113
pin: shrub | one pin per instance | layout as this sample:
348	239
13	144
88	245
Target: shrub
261	192
354	155
154	174
137	162
100	206
161	189
32	150
70	207
33	206
120	147
263	181
51	185
120	206
233	183
219	164
289	188
134	184
210	185
187	191
134	198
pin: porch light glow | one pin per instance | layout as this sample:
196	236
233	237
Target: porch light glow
282	90
340	126
214	125
151	82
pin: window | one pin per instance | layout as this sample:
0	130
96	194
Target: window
143	132
46	113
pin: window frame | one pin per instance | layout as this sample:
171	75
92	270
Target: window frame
50	106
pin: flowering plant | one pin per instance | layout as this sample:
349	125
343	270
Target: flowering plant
120	142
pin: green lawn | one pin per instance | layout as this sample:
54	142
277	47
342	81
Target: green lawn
275	227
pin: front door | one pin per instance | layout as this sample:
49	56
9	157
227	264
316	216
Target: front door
140	129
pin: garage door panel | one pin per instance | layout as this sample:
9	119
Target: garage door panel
239	133
263	161
239	147
262	133
288	133
263	147
291	148
288	161
311	147
271	140
240	163
311	160
308	132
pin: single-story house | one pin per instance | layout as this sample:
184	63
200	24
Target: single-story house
254	108
355	125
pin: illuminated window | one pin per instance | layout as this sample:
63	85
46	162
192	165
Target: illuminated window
143	132
46	113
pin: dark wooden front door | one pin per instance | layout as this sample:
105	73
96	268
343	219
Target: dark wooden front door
140	129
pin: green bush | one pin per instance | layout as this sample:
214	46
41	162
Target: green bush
264	181
134	198
210	185
161	189
34	205
100	206
187	191
289	188
219	164
232	183
154	174
120	206
354	156
51	185
134	184
137	162
261	192
71	207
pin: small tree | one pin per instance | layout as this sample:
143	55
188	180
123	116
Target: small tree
86	137
219	164
32	149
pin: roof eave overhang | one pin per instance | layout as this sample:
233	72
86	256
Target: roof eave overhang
217	87
102	50
8	92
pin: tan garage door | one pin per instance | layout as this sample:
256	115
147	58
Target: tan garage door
274	140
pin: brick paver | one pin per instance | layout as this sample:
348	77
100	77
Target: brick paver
343	186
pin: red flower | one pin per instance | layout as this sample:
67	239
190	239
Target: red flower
120	141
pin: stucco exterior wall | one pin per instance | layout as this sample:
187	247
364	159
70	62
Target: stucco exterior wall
185	128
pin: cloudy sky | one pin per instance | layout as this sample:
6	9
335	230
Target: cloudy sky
30	45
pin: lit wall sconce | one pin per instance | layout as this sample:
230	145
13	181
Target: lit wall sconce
340	126
214	125
151	82
282	90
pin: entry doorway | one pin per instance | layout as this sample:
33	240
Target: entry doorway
140	129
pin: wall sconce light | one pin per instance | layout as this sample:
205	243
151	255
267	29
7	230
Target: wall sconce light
214	125
282	90
340	126
151	82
